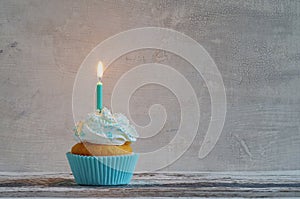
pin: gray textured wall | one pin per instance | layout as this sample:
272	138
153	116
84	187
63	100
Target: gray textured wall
255	45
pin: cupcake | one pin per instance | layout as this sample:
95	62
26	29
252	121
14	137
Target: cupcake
103	153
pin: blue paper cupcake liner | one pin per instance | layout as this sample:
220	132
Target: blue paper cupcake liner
102	170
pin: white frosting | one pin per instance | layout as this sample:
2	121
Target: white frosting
105	128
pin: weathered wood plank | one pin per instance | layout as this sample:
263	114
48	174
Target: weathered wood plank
250	184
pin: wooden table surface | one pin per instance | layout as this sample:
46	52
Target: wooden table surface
231	184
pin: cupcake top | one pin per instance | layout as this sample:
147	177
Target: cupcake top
105	128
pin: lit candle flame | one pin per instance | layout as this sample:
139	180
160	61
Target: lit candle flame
100	70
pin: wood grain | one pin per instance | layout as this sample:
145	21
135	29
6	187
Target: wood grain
249	184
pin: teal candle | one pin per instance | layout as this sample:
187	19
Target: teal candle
99	87
99	96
